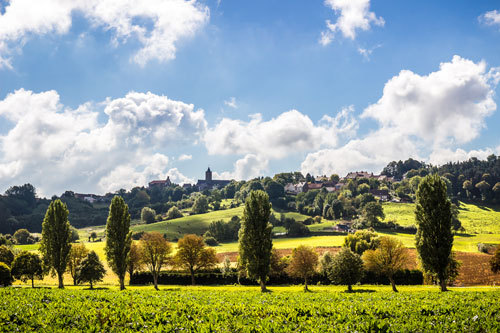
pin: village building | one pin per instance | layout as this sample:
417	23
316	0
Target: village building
160	183
208	183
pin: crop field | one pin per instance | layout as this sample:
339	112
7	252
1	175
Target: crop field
475	219
222	309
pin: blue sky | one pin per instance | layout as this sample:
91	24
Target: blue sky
95	97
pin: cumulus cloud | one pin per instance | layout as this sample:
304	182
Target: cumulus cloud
157	25
491	18
231	103
286	134
185	157
248	167
51	145
422	117
353	15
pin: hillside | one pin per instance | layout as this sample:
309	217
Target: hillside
198	224
476	219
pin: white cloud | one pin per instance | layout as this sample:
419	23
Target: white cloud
422	117
231	103
248	167
55	147
443	156
353	15
289	133
157	25
185	157
490	18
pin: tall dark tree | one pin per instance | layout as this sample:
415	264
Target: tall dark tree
91	269
27	266
56	239
255	243
434	238
118	238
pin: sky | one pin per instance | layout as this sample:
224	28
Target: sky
98	95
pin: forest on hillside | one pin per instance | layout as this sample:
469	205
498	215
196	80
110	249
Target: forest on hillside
476	181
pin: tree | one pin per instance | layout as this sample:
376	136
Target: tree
77	253
200	205
255	241
134	262
91	269
346	268
56	239
5	275
173	213
361	241
93	235
483	187
6	255
27	266
23	236
118	238
148	215
303	264
434	238
390	257
192	255
468	187
371	212
495	261
155	252
74	235
325	261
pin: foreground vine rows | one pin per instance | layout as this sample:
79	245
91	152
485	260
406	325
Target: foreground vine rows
43	310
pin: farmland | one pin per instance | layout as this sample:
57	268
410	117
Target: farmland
244	309
476	219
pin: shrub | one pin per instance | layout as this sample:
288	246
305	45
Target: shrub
5	276
148	215
210	241
174	213
6	255
23	236
137	235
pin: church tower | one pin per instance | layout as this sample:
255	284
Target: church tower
208	175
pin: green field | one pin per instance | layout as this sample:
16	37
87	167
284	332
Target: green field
244	309
198	224
475	219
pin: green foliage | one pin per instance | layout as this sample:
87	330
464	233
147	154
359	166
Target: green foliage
5	275
255	241
225	231
27	266
6	255
174	213
243	310
361	241
77	253
346	268
372	211
74	235
495	261
297	229
200	205
91	269
118	238
434	238
303	263
23	236
193	255
148	215
56	239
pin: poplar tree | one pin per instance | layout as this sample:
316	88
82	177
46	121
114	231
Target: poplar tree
118	238
56	239
434	238
255	243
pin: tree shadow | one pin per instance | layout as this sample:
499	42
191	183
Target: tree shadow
460	234
359	291
96	288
